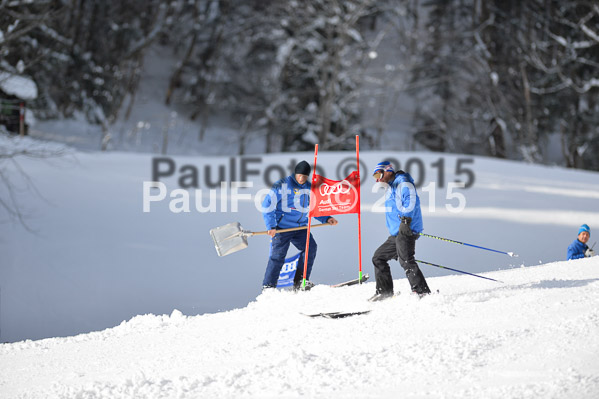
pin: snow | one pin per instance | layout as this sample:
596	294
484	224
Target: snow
588	85
150	121
19	86
197	325
589	32
534	336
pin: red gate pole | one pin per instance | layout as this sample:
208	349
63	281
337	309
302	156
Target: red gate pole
21	119
309	221
359	209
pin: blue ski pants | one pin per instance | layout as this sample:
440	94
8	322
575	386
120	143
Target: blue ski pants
279	245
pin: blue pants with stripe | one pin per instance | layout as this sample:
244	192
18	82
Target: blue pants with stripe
279	245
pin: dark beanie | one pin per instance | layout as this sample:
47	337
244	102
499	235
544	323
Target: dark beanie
303	168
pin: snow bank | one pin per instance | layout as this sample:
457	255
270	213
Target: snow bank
11	145
534	336
19	86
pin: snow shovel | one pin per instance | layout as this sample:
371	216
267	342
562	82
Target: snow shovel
232	237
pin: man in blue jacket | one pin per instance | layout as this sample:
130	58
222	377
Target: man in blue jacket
287	205
404	222
579	248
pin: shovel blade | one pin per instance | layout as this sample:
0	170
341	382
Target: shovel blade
228	238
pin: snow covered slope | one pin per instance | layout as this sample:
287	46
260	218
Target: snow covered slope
535	336
96	258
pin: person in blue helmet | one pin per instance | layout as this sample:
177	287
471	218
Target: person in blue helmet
285	206
404	222
579	248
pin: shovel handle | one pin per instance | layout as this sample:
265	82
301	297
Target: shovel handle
258	233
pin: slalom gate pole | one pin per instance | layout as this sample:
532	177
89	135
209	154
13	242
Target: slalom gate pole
459	271
309	224
359	210
470	245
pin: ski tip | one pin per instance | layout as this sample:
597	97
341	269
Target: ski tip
352	282
337	315
513	255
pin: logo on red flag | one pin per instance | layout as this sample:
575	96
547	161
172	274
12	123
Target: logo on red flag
333	197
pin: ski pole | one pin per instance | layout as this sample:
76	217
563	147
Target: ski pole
470	245
459	271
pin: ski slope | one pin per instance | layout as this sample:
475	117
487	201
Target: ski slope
93	260
533	336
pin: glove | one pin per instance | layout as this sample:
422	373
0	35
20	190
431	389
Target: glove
589	252
404	227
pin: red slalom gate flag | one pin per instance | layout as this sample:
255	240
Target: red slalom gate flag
333	197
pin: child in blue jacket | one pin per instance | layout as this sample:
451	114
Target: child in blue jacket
579	248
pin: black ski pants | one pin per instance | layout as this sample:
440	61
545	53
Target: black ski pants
400	248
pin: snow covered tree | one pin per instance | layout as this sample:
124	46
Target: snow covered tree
24	26
325	52
459	110
281	69
393	35
563	59
508	75
84	55
501	78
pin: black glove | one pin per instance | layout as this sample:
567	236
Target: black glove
404	227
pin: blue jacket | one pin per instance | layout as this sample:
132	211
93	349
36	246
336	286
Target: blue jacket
401	199
576	250
287	205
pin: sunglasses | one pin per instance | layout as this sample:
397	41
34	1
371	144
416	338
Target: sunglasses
378	174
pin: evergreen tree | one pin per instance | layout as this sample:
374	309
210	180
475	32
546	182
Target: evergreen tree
84	55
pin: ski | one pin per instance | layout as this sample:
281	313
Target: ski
337	315
344	284
352	282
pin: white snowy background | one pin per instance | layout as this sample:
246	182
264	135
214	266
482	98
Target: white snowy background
172	319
